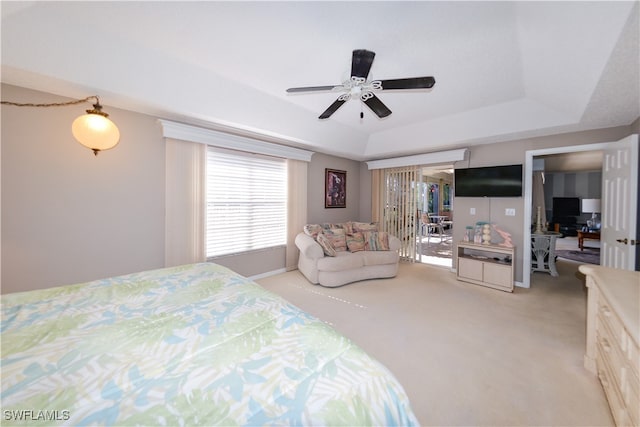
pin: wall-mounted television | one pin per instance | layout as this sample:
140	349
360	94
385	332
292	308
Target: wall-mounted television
565	207
492	181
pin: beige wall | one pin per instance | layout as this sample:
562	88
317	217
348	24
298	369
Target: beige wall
315	198
255	263
492	209
67	215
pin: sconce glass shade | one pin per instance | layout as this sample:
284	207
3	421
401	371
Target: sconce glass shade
95	131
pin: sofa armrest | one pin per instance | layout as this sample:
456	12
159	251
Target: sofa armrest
309	248
394	243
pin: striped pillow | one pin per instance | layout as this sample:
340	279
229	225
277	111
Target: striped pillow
338	238
312	230
355	242
326	245
364	226
376	241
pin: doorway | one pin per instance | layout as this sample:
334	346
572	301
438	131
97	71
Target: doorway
435	212
528	191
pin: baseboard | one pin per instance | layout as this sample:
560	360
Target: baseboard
267	274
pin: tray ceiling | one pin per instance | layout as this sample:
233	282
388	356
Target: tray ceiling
503	70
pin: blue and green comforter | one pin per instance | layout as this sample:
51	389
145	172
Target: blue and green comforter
191	345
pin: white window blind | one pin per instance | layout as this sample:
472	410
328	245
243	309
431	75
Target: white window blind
246	202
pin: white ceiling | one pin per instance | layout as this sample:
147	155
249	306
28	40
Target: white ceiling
503	70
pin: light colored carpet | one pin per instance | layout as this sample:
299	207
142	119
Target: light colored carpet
468	355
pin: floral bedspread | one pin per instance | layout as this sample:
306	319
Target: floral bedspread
191	345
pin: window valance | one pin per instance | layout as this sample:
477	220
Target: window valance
219	139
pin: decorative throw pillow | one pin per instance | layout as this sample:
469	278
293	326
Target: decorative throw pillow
355	242
338	238
347	227
365	226
312	230
376	241
326	245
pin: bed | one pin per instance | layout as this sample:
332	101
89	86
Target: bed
189	345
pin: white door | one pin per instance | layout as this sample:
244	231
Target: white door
619	204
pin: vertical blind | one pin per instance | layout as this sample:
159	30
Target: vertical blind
400	207
246	202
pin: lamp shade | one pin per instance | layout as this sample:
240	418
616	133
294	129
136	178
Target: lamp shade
591	205
95	131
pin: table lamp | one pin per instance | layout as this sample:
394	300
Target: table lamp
591	206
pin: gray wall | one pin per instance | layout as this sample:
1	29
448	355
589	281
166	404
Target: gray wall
513	152
69	216
492	209
317	213
584	185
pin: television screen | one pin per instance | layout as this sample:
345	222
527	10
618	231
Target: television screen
493	181
565	206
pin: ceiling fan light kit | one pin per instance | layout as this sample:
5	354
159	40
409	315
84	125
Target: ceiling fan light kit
359	87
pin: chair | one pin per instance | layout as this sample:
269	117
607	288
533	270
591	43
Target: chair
434	225
424	223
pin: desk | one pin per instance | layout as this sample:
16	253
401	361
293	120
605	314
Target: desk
543	252
582	235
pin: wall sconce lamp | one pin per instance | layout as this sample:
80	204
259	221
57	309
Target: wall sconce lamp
94	130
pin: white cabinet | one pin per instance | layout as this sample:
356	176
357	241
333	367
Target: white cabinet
613	335
486	265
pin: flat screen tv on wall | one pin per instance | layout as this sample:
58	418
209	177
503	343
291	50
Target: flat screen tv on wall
493	181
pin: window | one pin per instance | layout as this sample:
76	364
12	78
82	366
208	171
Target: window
246	202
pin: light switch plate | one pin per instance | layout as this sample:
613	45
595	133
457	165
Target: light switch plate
472	211
510	212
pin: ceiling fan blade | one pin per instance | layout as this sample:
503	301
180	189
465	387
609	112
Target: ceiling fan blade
311	88
377	106
332	108
410	83
361	63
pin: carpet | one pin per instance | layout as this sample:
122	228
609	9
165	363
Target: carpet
588	256
469	355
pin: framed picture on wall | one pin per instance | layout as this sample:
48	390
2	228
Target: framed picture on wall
335	188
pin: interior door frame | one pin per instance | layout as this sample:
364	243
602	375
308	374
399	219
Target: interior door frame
528	190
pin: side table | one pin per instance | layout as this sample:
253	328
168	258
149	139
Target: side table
582	235
543	252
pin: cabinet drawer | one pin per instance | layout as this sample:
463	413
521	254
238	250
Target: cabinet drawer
618	409
611	356
498	274
631	397
471	269
609	318
633	355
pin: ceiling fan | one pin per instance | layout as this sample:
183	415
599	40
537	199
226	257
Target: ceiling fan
359	86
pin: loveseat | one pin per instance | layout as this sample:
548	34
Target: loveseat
336	254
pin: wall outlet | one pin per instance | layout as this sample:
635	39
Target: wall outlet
510	212
472	211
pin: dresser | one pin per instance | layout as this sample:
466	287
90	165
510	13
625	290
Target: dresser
613	334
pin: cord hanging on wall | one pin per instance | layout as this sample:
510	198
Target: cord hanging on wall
94	130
